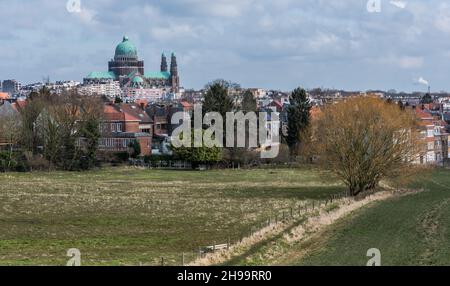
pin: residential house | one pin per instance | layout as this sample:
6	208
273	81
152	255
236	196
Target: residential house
123	124
435	138
160	116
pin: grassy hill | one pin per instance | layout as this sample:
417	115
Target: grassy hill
410	230
127	216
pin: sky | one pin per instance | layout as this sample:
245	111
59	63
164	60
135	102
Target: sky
281	44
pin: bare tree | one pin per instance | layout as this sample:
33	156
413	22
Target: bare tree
365	139
10	125
55	125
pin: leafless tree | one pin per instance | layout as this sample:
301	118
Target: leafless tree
365	139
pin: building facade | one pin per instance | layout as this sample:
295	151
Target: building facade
435	146
122	125
127	69
11	86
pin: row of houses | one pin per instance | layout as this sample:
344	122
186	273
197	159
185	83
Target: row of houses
150	125
435	148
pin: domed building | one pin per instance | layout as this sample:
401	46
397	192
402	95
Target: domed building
126	60
128	70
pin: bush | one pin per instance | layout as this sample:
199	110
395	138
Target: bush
18	162
7	163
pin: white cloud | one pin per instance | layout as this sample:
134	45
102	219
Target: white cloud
409	62
442	20
227	38
322	40
86	16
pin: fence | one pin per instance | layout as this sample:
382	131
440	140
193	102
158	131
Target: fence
281	216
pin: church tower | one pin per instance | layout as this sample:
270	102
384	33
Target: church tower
175	79
163	63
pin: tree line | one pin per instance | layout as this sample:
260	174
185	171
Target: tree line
363	140
220	98
52	132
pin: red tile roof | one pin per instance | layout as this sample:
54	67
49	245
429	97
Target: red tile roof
276	103
136	111
114	113
423	114
4	96
186	104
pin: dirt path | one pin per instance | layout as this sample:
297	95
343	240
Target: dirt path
271	245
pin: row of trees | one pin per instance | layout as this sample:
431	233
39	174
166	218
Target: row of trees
363	140
218	99
54	131
366	139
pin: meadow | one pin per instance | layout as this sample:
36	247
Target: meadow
130	216
409	230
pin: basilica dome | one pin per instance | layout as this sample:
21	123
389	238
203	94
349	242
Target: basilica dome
126	49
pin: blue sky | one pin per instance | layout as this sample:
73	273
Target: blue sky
257	43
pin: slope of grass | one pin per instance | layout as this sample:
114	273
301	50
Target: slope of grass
410	230
127	216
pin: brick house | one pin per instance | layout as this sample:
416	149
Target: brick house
160	116
124	124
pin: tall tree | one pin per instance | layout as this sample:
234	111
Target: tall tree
91	115
299	117
10	126
364	140
249	103
218	98
37	101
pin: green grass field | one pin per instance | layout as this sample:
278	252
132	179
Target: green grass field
410	230
127	216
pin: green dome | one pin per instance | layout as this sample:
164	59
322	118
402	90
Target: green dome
137	79
126	49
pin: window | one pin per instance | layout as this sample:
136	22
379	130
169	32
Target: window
116	127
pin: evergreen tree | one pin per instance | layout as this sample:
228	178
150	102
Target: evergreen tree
135	149
427	99
248	102
217	98
118	100
91	133
298	118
